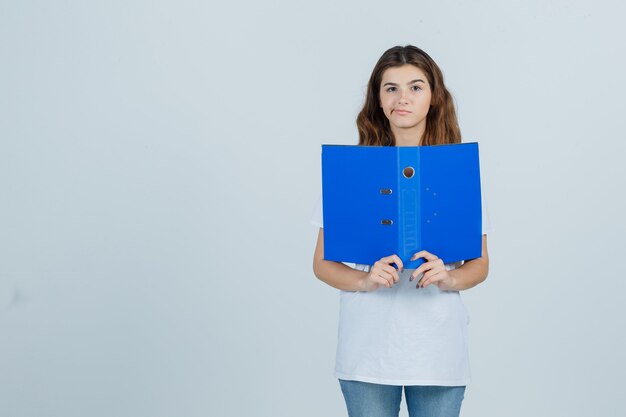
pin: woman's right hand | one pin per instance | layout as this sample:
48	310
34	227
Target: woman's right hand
383	273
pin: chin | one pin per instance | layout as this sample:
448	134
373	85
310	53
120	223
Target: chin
405	125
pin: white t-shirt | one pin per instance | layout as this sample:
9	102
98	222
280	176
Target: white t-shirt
403	335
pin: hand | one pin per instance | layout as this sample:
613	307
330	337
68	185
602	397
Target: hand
434	272
383	273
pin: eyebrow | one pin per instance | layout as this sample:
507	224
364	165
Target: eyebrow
410	82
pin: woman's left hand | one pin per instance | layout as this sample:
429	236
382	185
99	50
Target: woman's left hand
434	272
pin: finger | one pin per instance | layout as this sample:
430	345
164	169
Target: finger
380	281
413	277
398	262
424	254
386	281
381	266
389	271
427	280
387	259
383	277
393	259
392	271
423	268
435	263
434	271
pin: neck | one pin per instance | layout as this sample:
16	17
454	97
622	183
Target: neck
408	137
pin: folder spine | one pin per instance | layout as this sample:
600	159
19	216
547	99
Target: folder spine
409	216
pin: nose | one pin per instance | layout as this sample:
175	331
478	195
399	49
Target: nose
403	98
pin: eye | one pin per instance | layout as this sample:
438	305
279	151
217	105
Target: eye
390	89
416	88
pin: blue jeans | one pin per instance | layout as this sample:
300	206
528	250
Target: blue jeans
365	399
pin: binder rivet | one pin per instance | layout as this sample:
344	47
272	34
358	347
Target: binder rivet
386	222
408	172
386	191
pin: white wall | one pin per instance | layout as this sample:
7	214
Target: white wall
159	162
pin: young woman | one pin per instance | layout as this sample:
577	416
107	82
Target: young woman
403	329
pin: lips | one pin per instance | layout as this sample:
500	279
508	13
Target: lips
400	111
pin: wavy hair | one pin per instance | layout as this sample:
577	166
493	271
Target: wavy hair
442	126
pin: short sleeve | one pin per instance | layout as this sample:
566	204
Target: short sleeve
317	218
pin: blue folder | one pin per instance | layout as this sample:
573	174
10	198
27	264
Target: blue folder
384	200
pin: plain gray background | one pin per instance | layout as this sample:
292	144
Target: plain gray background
159	162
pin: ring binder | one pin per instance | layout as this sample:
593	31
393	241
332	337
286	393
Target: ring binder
437	206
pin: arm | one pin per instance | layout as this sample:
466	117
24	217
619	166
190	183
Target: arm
471	273
345	278
468	275
333	273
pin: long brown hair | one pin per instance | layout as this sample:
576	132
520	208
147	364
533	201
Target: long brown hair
442	126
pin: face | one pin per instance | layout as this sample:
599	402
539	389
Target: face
405	99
